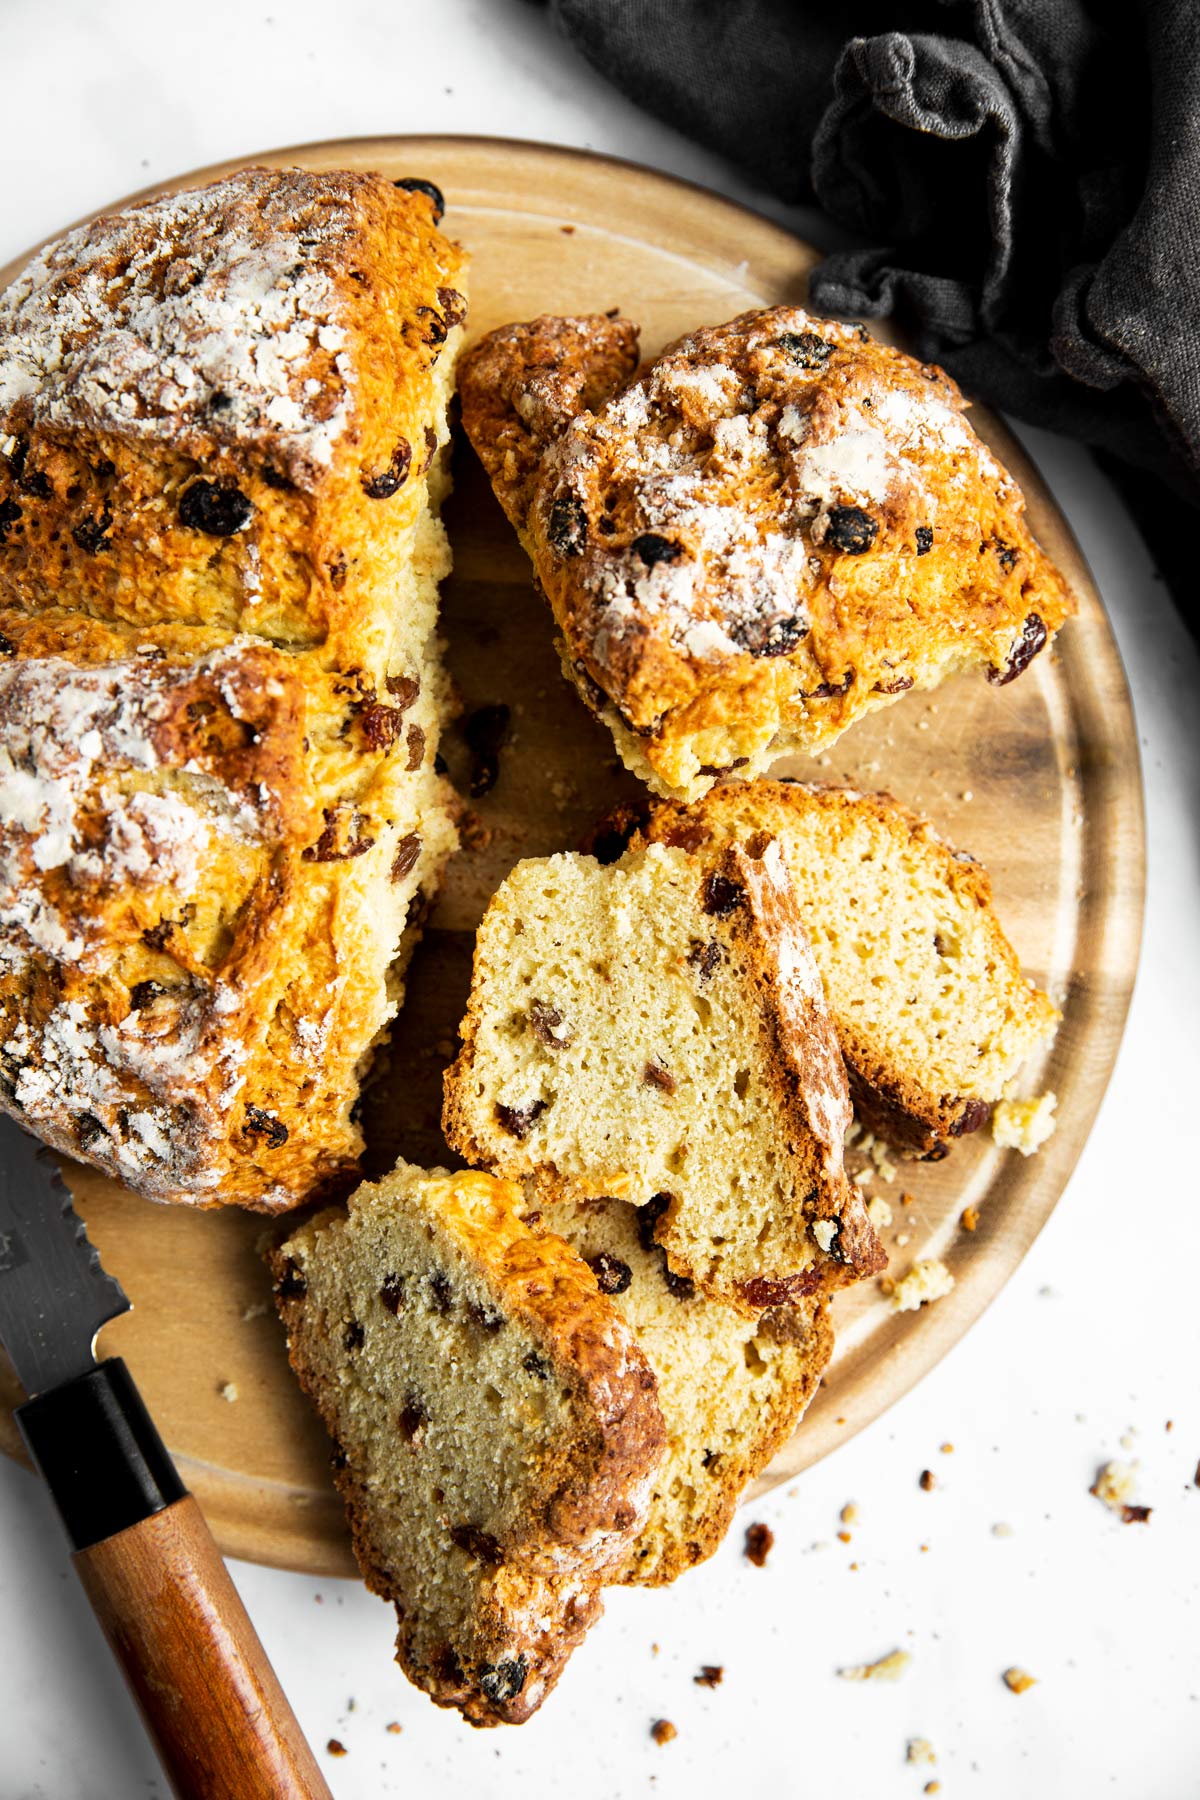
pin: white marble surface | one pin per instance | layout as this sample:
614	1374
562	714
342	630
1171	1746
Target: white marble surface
1095	1339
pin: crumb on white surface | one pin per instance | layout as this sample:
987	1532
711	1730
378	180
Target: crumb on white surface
888	1668
1024	1125
926	1281
919	1750
1019	1681
1003	1530
1115	1484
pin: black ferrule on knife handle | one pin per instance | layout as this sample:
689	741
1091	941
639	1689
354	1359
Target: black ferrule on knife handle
96	1447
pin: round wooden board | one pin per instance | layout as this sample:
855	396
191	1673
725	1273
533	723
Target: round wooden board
1040	780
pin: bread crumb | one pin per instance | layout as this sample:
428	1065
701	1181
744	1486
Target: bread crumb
662	1731
394	1728
904	1239
849	1513
908	1200
970	1218
844	1537
1002	1530
926	1281
1024	1125
228	1390
919	1750
711	1675
946	1449
888	1668
759	1539
1114	1485
879	1212
1019	1681
932	1787
336	1747
926	1481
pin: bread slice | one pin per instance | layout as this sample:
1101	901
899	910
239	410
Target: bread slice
732	1389
220	687
931	1009
496	1426
773	528
656	1032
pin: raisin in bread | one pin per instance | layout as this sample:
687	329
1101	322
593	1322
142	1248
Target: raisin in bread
932	1012
775	527
732	1389
220	688
496	1426
655	1031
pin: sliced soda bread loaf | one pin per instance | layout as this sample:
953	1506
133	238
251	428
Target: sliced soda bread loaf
932	1011
496	1424
732	1389
655	1031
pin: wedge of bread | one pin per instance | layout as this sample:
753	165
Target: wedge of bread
931	1009
732	1389
221	421
655	1031
770	529
497	1426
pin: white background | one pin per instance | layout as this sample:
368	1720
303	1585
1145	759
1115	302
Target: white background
1095	1339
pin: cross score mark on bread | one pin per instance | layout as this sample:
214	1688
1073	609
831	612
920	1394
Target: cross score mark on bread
775	527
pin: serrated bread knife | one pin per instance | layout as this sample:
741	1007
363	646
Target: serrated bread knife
209	1697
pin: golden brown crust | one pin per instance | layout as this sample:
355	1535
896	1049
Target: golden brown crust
213	403
916	1118
188	978
776	527
805	1068
533	1574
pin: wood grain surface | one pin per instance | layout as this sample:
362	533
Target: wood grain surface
1040	780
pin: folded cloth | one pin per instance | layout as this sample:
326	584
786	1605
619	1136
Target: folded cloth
1025	175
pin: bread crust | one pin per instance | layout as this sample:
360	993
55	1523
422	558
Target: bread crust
776	526
537	1589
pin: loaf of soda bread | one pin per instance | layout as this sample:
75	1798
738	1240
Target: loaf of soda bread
222	415
496	1426
656	1031
773	528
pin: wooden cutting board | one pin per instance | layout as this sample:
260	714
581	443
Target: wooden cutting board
1040	780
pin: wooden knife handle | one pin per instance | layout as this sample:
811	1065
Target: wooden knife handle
218	1717
209	1697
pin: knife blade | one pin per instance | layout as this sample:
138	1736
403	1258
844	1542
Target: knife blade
208	1696
54	1292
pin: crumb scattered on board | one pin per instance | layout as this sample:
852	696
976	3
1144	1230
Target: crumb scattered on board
919	1750
888	1668
335	1747
228	1390
1019	1681
759	1539
1024	1125
394	1727
662	1731
926	1281
970	1218
711	1675
926	1481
